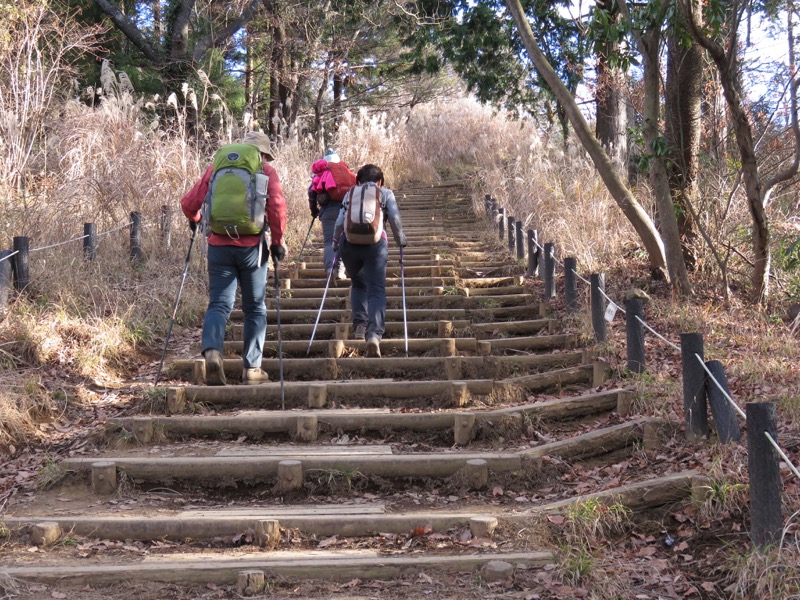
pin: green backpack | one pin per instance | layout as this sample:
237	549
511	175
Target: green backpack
237	192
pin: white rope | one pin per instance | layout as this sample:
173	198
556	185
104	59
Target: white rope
128	224
783	455
7	256
83	237
602	291
658	335
586	281
58	244
721	389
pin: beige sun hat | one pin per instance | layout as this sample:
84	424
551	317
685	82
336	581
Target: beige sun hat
261	141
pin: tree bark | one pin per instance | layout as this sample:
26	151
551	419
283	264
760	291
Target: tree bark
726	66
624	198
611	109
683	95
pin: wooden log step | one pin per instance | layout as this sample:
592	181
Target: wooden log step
389	346
493	330
538	381
327	331
344	291
244	468
290	315
392	270
390	282
454	368
259	422
348	520
600	441
298	393
396	302
334	566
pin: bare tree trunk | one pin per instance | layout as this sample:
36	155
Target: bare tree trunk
684	90
628	204
611	109
338	89
668	224
727	66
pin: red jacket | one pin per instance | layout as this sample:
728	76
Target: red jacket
192	202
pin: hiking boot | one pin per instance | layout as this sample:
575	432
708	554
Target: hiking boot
373	347
215	371
254	376
360	332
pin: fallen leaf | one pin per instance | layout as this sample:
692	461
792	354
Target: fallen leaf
556	519
328	542
497	491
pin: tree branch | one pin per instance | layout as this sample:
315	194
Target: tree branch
216	39
130	30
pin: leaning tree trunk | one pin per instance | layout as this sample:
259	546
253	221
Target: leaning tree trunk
628	204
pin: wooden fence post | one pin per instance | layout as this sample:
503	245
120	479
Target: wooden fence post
765	477
571	284
136	236
549	271
487	203
520	241
494	210
725	421
89	241
533	254
694	387
597	283
19	266
166	226
635	334
6	279
501	226
511	243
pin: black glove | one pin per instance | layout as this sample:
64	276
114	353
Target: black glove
193	225
278	252
314	210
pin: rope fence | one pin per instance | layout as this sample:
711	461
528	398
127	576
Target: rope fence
14	263
704	382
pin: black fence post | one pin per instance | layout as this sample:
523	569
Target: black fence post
511	243
634	307
597	283
19	266
765	477
725	421
487	203
533	254
694	386
6	279
549	271
89	241
520	241
494	209
571	284
501	222
136	236
166	226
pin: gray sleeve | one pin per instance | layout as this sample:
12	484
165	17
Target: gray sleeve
393	217
338	228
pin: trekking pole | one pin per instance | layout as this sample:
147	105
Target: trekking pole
308	235
324	294
280	339
175	309
403	284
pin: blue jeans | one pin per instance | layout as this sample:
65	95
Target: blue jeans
228	265
366	266
327	216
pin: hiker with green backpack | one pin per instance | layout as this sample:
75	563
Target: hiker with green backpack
360	237
238	197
